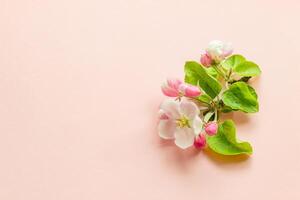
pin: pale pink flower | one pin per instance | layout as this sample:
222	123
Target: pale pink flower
171	87
218	50
211	128
189	90
200	141
179	121
206	60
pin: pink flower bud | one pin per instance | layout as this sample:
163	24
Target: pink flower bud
171	87
206	60
189	90
200	141
211	128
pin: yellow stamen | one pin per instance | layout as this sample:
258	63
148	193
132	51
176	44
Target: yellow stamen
183	122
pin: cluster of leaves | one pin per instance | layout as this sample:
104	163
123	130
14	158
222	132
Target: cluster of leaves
226	90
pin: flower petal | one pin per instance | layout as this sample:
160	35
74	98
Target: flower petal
171	108
227	49
197	125
189	109
162	114
184	137
166	129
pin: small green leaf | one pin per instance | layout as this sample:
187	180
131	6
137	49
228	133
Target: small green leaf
247	68
232	61
225	142
204	98
242	97
195	74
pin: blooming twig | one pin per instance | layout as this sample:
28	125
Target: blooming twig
191	114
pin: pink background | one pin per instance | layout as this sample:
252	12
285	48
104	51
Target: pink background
80	87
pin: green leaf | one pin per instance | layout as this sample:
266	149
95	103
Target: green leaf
232	61
212	72
225	142
240	66
253	92
242	97
195	74
247	68
204	98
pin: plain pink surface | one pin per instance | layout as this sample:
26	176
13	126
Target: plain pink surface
80	87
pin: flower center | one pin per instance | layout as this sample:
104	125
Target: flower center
183	122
